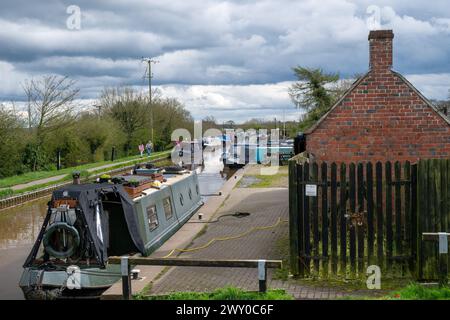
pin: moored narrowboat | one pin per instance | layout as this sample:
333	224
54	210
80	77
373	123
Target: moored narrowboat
87	223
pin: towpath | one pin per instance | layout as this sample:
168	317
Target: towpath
62	176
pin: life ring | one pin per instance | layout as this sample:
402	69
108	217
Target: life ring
47	239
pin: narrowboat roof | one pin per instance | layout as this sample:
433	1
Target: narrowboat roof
171	179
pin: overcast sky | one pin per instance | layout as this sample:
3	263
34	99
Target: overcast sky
229	59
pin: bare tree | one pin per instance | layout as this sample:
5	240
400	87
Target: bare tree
50	103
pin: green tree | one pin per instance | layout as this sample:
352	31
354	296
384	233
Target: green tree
131	112
315	92
12	143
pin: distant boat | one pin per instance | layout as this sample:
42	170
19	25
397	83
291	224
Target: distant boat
238	154
87	223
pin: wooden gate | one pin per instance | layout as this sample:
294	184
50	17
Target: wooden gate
361	215
345	217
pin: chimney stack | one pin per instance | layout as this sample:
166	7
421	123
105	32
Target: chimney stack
380	43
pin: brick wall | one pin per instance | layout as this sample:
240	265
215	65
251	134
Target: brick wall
382	118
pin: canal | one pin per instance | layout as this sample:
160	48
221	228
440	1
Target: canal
19	226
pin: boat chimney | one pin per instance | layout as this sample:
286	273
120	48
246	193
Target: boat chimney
76	177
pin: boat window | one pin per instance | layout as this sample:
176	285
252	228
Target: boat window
181	199
196	189
152	218
190	194
167	208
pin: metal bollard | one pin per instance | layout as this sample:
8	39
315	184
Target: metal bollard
126	279
262	275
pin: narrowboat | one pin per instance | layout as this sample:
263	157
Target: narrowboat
87	223
239	154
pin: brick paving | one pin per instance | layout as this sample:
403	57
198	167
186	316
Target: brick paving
265	206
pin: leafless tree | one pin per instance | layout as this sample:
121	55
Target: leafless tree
50	103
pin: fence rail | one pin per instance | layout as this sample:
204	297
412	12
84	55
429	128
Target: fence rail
346	216
126	271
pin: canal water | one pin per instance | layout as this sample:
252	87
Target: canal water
20	226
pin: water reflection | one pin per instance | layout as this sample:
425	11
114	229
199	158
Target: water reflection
20	226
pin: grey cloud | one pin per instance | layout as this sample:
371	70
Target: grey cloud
214	42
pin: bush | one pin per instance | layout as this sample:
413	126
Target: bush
6	192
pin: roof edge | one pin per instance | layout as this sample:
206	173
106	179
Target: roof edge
357	82
428	102
344	95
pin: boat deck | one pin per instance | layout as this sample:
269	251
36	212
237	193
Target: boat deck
171	179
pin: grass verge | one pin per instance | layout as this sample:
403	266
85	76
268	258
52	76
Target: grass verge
228	293
280	179
6	192
415	291
32	176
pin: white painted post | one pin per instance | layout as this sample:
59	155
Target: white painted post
262	275
126	280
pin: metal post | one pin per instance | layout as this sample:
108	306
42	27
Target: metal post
442	238
443	258
58	160
262	275
126	279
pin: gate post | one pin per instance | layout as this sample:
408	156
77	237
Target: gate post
293	218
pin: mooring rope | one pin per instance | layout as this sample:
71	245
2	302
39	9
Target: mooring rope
241	235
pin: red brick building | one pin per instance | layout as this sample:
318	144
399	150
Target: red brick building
381	117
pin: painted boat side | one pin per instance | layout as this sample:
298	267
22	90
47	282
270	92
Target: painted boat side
185	201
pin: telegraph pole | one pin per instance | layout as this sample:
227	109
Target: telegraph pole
149	61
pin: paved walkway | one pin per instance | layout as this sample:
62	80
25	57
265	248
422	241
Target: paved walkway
265	206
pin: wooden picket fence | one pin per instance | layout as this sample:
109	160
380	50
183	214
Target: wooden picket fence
345	217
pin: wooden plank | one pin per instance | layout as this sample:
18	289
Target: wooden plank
413	220
422	207
398	211
389	234
430	252
360	229
325	220
352	227
379	204
293	218
447	199
301	230
343	219
315	220
179	262
370	220
407	210
333	218
306	223
444	195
